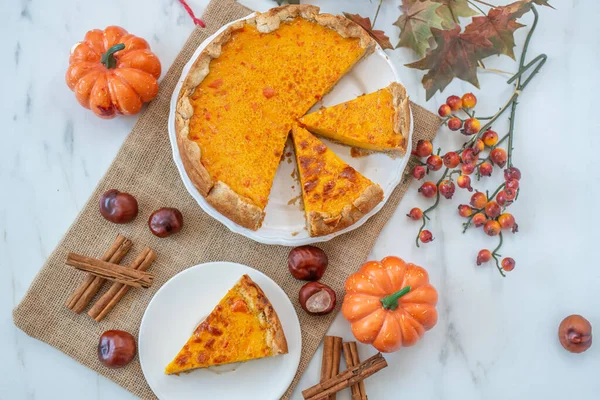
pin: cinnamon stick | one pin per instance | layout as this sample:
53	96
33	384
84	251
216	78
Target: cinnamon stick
84	293
330	364
110	271
110	299
356	395
356	361
355	374
337	355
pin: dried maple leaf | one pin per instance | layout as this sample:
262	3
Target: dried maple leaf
455	56
365	23
542	3
415	24
451	10
499	26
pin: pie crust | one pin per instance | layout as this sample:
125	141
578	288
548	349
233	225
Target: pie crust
223	198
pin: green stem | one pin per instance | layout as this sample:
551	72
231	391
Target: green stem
108	58
484	3
376	14
391	302
496	255
511	133
437	201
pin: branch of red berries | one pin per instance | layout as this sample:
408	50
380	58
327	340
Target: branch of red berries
484	210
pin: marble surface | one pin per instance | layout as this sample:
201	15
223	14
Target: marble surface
496	338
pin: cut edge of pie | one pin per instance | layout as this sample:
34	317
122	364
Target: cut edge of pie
255	299
320	223
221	196
400	124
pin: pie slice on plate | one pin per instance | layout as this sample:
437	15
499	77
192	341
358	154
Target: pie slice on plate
243	326
335	194
377	121
243	94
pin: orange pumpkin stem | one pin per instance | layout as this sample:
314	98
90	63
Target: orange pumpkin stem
391	302
108	58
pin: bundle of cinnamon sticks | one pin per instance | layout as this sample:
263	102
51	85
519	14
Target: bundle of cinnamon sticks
108	268
332	381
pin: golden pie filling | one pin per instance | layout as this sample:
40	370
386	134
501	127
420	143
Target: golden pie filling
369	122
329	185
235	331
259	84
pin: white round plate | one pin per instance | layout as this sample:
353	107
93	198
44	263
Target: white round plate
284	222
184	302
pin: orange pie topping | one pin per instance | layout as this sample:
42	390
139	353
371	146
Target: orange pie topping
376	121
335	194
242	327
245	90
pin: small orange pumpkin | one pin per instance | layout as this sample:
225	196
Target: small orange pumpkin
113	72
390	304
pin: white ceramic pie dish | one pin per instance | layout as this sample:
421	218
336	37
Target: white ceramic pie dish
284	223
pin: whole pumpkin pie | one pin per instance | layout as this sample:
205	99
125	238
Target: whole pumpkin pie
377	121
242	327
244	92
335	195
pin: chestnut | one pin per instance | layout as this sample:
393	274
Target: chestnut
317	298
118	207
165	221
307	263
116	348
575	333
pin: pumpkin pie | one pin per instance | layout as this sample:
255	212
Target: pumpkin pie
335	194
243	94
242	327
377	121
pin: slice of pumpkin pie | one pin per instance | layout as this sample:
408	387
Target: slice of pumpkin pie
242	327
335	194
377	121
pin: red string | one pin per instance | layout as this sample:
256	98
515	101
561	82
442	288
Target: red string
197	21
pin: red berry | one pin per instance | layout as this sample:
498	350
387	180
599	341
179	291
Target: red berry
490	138
498	157
451	159
469	100
434	162
425	236
418	172
512	184
486	169
492	209
512	173
469	156
478	146
492	228
454	102
464	182
472	126
467	169
479	200
501	199
479	219
444	110
447	189
510	194
424	148
454	124
415	214
508	264
483	256
507	221
428	189
465	211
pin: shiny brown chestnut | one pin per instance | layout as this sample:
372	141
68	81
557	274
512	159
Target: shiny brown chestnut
118	207
575	333
165	221
317	298
307	263
116	348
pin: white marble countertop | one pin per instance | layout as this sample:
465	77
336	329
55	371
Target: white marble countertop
495	339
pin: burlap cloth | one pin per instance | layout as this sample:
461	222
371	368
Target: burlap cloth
145	168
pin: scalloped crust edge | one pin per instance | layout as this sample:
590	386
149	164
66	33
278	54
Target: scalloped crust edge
320	223
237	208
